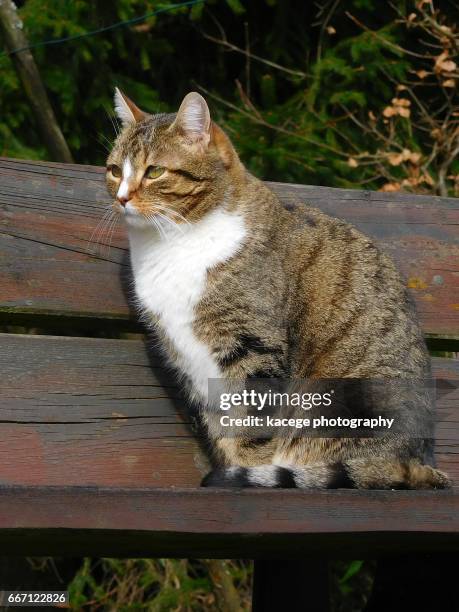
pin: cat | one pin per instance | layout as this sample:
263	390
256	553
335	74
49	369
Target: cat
237	286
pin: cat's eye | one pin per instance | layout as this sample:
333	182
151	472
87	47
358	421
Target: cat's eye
153	172
115	170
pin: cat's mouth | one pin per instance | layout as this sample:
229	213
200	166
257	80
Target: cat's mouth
126	209
130	209
164	219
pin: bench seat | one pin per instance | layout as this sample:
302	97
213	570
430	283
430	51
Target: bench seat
96	452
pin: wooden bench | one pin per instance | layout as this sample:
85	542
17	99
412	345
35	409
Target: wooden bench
96	452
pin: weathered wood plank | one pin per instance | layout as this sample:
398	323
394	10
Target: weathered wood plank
49	211
86	411
220	523
47	216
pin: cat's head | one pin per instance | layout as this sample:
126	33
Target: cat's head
177	165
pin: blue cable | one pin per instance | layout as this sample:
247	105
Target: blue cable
56	41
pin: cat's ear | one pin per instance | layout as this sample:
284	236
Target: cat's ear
126	110
193	119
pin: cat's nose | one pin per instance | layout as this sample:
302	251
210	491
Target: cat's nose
123	200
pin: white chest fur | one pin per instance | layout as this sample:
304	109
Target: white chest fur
170	278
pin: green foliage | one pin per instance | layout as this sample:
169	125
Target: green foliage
157	585
300	121
351	585
353	569
160	585
236	6
80	75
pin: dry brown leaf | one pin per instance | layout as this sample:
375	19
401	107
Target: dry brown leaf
331	30
415	158
401	87
391	187
406	153
401	102
440	59
449	83
371	115
142	27
422	74
395	159
410	182
404	112
443	64
412	17
449	66
389	111
353	163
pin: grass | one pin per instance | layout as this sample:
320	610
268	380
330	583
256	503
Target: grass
161	585
192	585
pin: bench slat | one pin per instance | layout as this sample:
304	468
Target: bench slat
206	523
49	211
87	411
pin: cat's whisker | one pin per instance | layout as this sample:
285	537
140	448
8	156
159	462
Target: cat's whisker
114	123
105	138
105	142
94	238
111	233
162	230
107	234
180	217
172	223
173	212
104	232
117	123
158	226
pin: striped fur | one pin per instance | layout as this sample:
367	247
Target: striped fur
353	474
237	286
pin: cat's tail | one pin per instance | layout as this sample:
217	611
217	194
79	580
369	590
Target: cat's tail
352	474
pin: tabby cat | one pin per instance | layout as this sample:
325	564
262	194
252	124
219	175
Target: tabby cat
237	286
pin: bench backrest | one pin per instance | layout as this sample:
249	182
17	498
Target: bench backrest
51	211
